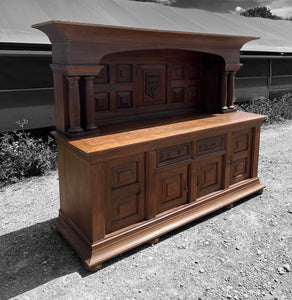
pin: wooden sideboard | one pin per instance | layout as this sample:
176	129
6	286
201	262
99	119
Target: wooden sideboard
148	136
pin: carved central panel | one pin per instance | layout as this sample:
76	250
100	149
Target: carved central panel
152	84
152	81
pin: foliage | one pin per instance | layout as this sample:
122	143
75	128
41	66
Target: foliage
277	109
262	12
22	155
165	2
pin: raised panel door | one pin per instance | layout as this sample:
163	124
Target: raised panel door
240	159
125	203
172	188
209	175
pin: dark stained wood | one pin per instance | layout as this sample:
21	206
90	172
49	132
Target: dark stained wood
89	103
99	40
172	188
230	94
144	141
223	91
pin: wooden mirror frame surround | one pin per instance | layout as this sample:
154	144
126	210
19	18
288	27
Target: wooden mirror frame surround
148	136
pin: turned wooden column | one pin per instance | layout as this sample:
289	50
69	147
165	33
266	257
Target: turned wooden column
74	104
223	91
230	95
89	103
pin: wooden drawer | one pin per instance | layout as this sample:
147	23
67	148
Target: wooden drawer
173	154
210	145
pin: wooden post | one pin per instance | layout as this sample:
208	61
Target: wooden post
74	104
89	103
223	91
230	94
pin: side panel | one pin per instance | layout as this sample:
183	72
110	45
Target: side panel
75	190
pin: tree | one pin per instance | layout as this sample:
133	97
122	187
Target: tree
165	2
260	12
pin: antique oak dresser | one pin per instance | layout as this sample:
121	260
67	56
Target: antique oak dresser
148	136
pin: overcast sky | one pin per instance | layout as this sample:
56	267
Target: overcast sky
278	7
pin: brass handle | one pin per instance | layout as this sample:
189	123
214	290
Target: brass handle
186	188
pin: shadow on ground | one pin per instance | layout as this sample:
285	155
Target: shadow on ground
38	254
33	256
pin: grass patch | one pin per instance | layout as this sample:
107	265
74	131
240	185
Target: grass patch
278	109
22	156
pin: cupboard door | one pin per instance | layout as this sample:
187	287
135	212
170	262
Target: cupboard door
209	175
172	187
240	160
126	199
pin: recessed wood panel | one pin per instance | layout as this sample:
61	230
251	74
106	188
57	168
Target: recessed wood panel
123	100
125	174
172	188
178	95
209	175
124	73
239	166
210	145
125	207
103	76
193	94
177	71
173	154
193	71
101	101
240	142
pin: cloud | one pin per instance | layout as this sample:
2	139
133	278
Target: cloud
281	7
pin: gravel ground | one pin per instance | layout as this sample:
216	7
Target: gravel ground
242	253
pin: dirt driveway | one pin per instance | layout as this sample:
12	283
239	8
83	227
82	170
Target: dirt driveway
242	253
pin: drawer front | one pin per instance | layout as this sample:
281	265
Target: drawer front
173	154
210	145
